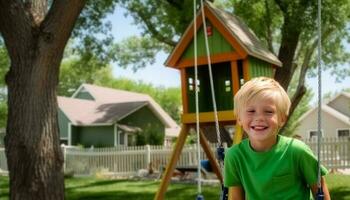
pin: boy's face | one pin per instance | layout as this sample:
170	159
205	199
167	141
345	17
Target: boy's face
260	121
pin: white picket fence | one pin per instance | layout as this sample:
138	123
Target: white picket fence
126	161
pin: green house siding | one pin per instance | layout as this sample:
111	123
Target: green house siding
97	136
63	124
259	68
222	81
217	44
84	95
75	135
153	130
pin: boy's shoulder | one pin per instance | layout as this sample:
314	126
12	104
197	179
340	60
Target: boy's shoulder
295	145
238	147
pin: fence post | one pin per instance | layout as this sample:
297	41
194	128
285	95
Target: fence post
64	157
148	156
348	152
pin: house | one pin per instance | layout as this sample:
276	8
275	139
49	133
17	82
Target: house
98	116
335	116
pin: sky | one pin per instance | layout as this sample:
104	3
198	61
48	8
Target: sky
123	27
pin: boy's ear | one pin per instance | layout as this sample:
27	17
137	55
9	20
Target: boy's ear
239	121
283	120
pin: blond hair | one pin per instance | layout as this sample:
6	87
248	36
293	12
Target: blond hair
260	88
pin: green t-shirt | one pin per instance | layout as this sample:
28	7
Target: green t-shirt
283	172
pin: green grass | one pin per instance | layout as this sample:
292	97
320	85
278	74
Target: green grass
101	189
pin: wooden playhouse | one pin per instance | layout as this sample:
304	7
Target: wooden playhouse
236	56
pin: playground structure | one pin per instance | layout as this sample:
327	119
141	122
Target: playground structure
236	56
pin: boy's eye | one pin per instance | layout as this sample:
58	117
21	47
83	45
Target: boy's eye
250	111
269	112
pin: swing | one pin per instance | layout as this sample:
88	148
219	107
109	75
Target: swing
319	195
220	148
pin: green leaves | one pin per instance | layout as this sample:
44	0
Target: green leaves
136	52
4	64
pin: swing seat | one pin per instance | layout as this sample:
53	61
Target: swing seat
184	172
205	164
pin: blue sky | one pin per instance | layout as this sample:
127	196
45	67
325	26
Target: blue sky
159	75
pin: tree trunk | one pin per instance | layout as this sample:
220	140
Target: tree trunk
32	146
289	42
35	40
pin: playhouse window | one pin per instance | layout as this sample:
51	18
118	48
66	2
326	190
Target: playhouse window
191	84
241	81
227	86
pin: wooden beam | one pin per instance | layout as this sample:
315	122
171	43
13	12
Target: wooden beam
203	60
172	163
183	43
235	77
238	134
237	139
184	85
204	117
211	157
246	75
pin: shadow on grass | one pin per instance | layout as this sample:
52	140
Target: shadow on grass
111	182
177	192
340	193
108	195
4	187
94	183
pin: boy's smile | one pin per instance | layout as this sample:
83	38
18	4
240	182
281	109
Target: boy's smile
260	120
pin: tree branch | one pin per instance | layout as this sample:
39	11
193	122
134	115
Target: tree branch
59	22
154	31
176	3
36	10
15	26
301	90
268	26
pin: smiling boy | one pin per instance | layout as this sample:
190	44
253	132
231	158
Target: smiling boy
267	165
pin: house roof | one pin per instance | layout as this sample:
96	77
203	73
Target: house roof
329	110
86	112
237	29
109	95
345	94
128	128
117	103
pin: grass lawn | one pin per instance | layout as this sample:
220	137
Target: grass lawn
100	189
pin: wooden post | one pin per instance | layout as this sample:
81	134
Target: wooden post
211	157
237	139
172	163
148	156
238	134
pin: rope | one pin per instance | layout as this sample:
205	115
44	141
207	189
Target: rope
319	63
220	149
211	76
199	196
199	187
